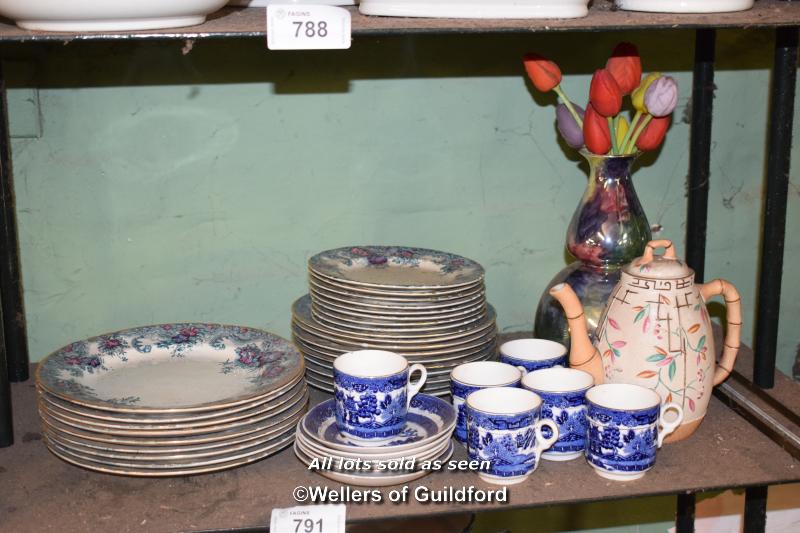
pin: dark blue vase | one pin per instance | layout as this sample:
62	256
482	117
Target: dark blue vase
607	230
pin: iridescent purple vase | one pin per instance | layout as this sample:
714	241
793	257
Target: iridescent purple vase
607	230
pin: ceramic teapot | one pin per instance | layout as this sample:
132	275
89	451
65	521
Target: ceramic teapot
655	331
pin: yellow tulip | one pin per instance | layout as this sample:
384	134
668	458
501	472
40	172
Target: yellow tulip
637	96
622	129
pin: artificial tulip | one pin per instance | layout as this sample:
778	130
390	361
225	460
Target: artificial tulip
544	74
653	133
626	67
604	93
568	126
637	96
596	134
622	128
661	97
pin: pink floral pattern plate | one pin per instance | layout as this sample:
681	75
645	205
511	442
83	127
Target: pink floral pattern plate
170	368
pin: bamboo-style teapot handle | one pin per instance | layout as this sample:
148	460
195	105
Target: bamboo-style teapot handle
650	247
733	303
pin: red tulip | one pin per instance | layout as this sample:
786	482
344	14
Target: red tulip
543	73
653	133
625	66
604	93
596	134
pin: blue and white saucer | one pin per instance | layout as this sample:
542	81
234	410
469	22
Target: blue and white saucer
429	418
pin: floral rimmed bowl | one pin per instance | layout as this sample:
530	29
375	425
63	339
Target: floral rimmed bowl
397	267
167	368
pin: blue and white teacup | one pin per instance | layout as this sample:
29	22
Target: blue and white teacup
504	427
373	389
533	354
470	377
563	394
627	424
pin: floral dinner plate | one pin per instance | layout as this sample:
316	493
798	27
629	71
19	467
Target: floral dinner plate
170	368
396	267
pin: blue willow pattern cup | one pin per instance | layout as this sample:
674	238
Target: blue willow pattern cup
533	354
504	427
470	377
627	424
563	394
373	389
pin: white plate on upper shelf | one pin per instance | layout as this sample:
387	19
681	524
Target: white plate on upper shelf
685	6
107	15
473	9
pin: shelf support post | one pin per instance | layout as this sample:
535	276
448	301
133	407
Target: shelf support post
684	515
700	150
11	299
755	509
779	148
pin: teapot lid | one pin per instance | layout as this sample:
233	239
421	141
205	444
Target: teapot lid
652	266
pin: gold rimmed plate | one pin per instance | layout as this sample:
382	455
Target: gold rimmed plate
338	346
397	321
136	456
269	417
258	412
396	297
89	464
301	312
384	305
170	368
205	440
401	267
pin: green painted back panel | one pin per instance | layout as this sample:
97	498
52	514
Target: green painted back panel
170	187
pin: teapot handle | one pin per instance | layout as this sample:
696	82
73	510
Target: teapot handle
733	334
650	247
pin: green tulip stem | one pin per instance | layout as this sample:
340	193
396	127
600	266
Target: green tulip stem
628	133
613	131
639	131
570	107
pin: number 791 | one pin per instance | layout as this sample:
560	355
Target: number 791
308	525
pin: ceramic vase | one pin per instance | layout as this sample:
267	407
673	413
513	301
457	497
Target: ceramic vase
607	230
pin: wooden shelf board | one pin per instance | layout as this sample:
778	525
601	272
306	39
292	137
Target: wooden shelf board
43	493
250	23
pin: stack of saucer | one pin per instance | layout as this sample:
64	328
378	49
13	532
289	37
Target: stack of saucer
174	399
429	426
426	305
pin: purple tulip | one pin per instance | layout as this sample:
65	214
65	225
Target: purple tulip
569	129
661	97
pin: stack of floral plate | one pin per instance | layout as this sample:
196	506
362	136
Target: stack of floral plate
426	438
426	305
174	399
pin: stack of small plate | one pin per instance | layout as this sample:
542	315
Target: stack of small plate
426	437
426	305
173	399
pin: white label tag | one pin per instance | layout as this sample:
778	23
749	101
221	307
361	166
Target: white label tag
307	27
308	519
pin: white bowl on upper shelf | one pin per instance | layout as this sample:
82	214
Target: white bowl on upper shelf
685	6
494	9
107	15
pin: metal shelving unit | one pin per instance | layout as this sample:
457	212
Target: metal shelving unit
762	445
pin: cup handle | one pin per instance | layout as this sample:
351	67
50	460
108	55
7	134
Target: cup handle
413	388
665	427
542	443
522	369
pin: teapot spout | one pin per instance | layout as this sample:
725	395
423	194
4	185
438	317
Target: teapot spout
583	355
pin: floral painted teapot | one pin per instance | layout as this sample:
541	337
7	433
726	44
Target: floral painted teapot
655	332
